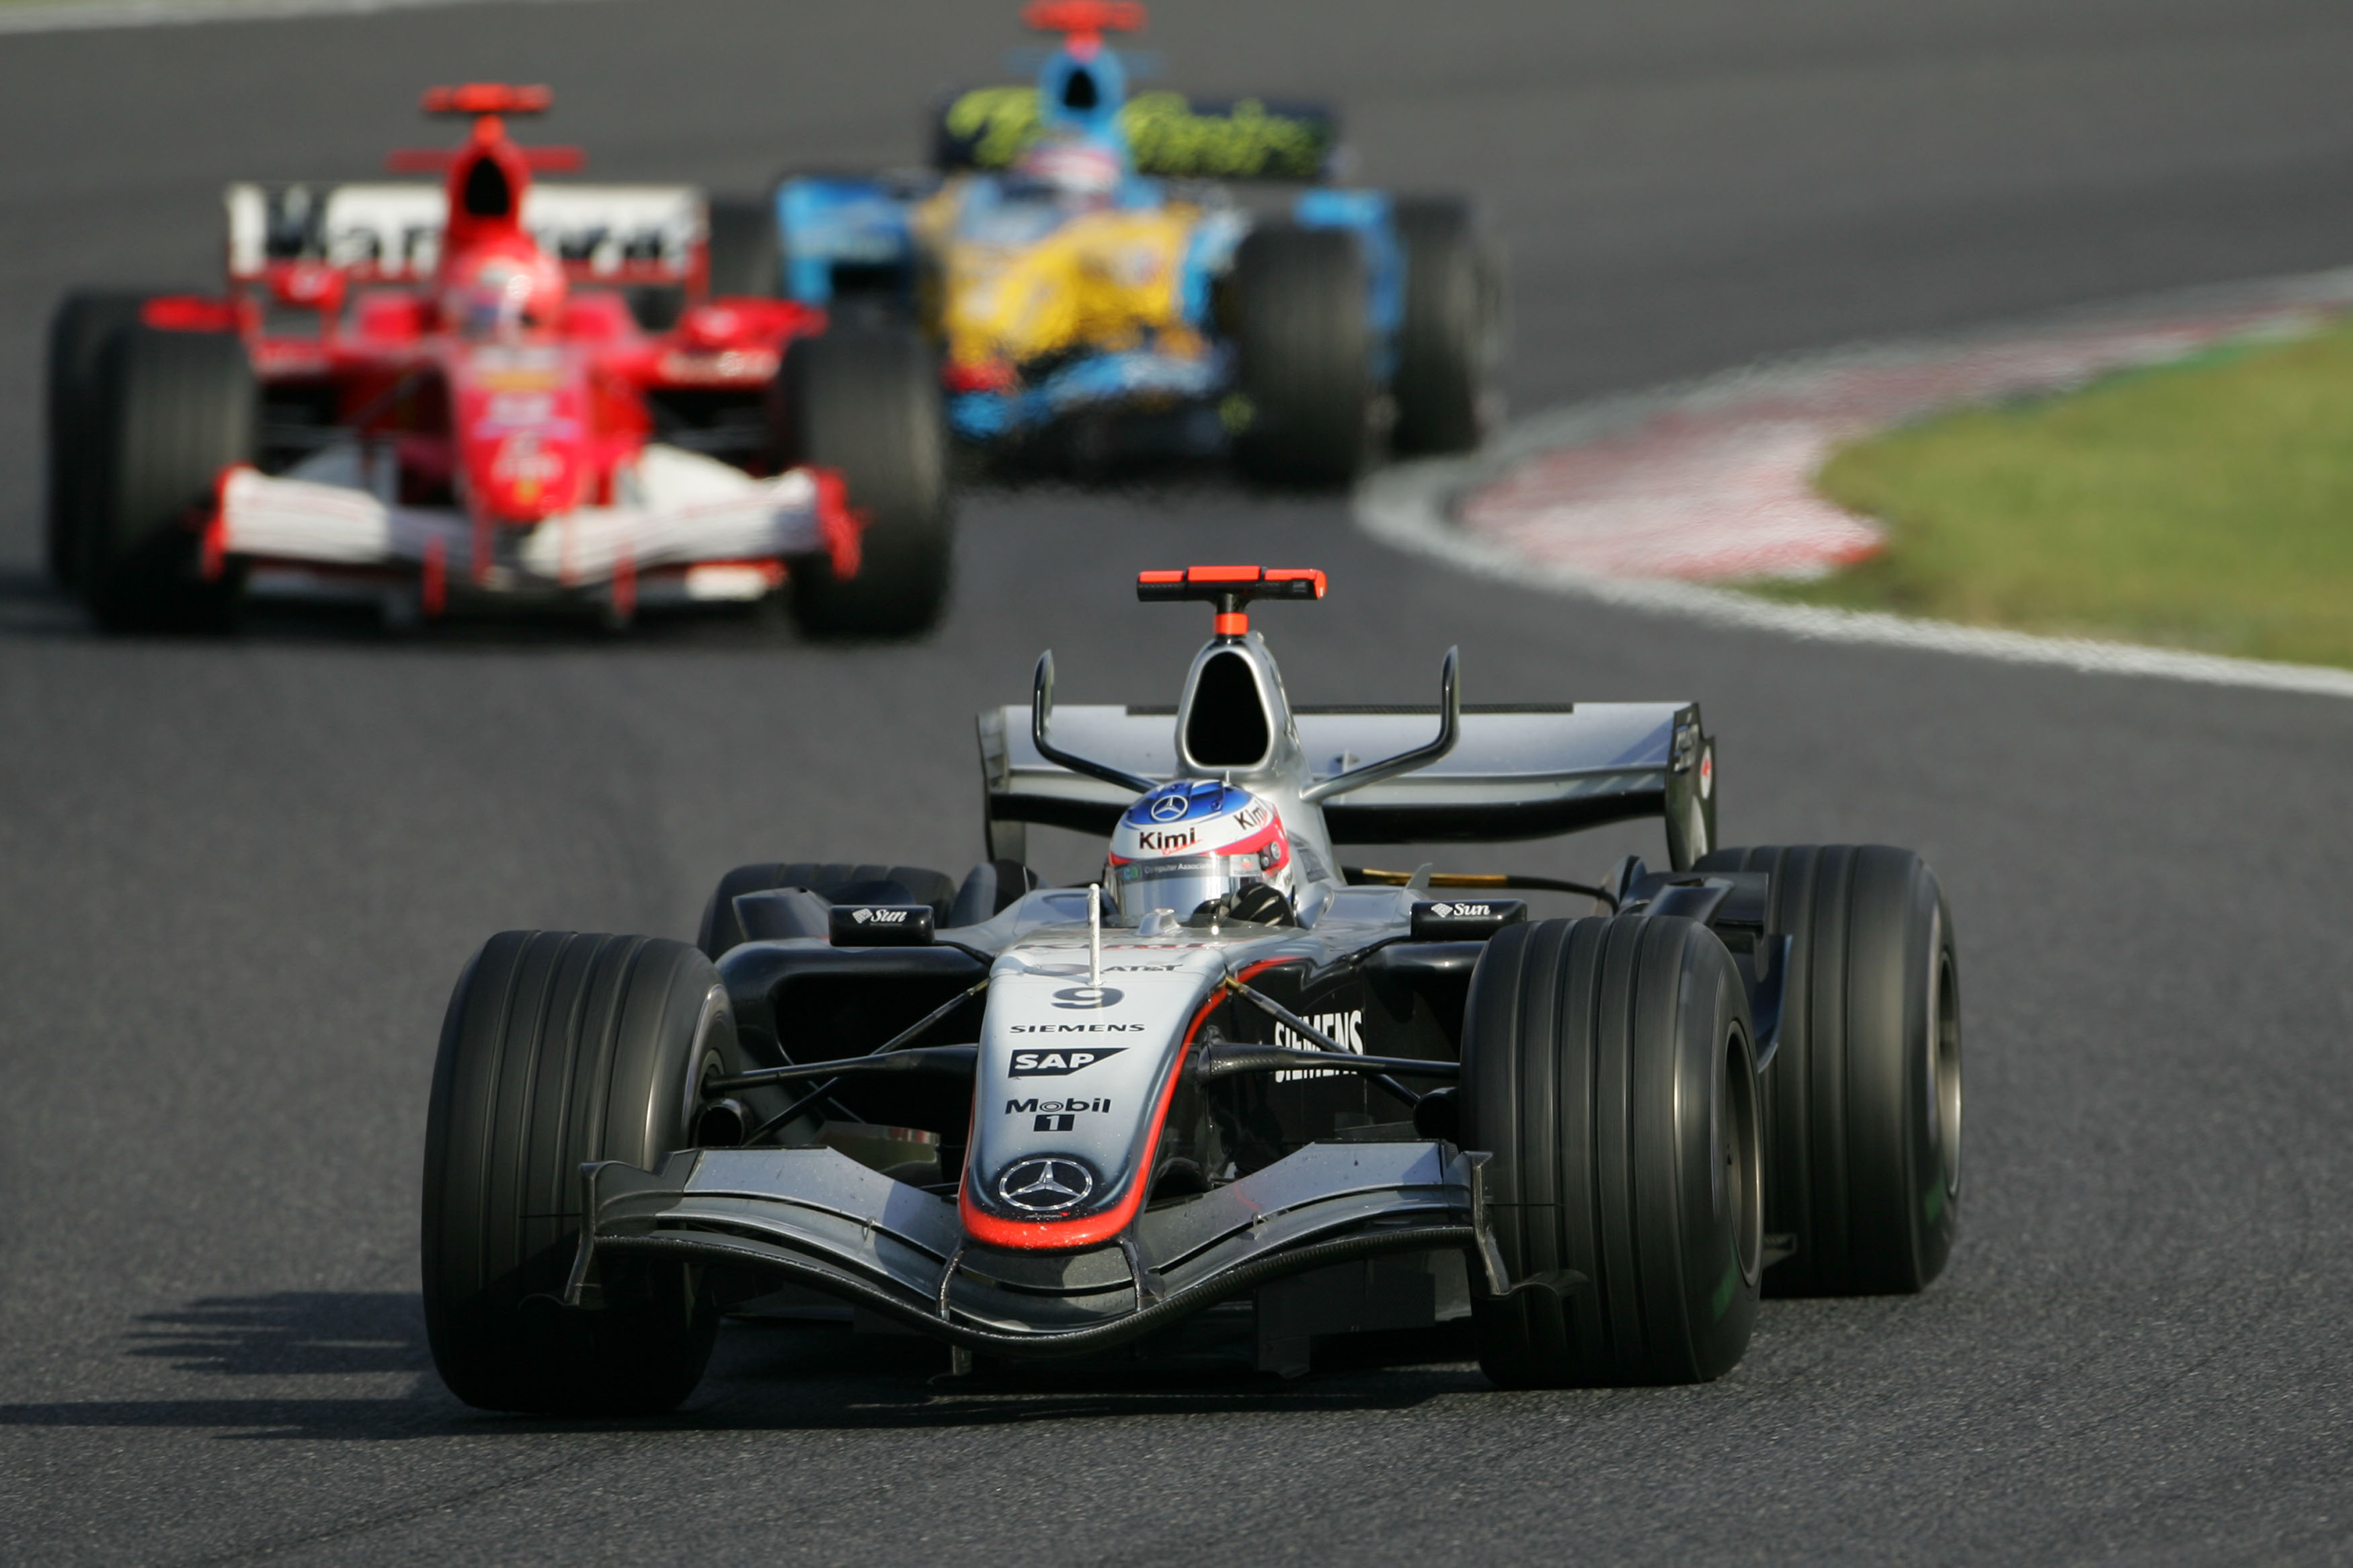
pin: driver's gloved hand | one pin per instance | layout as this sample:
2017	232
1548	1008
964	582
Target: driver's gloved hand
1262	904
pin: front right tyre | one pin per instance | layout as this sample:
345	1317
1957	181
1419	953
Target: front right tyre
80	329
174	409
559	1049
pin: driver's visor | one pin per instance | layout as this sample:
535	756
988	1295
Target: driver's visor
1182	884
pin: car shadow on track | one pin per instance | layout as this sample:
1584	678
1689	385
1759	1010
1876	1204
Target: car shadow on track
777	1377
32	609
289	1335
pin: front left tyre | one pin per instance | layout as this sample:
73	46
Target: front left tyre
865	400
1608	1070
558	1049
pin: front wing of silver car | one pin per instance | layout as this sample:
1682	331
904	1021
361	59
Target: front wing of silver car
816	1218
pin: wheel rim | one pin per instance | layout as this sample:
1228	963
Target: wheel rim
1738	1157
1945	1073
698	1061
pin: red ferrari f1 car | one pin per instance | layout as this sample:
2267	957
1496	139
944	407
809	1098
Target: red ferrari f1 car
490	390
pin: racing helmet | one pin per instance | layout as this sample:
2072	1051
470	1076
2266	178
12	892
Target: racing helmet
502	291
1197	842
1072	170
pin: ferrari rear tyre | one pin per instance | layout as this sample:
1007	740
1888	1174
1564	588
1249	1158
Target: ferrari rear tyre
1451	343
1606	1067
746	257
175	409
866	400
828	880
1863	1096
559	1049
1302	307
79	330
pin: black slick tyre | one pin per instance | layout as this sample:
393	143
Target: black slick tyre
1608	1070
79	330
1863	1096
1302	323
828	880
745	252
866	400
1451	342
174	410
558	1049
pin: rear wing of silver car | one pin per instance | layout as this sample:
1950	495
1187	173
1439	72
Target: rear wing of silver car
1514	772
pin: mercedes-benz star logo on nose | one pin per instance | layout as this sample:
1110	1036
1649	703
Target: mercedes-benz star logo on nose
1170	807
1047	1186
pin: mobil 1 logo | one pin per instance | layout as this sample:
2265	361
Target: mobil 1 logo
1056	1115
1060	1063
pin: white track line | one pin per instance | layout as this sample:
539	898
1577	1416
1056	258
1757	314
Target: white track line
1410	505
90	14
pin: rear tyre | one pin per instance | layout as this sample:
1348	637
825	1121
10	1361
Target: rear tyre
79	330
1606	1067
745	255
557	1049
1863	1168
866	400
1302	307
828	880
1452	340
175	409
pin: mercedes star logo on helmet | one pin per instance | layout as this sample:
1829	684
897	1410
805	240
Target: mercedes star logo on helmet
1045	1185
1170	807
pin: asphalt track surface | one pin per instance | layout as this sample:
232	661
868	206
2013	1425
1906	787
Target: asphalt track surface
237	877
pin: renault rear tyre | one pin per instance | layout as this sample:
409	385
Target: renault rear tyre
1608	1070
746	257
559	1049
866	400
1451	344
1302	309
1863	1096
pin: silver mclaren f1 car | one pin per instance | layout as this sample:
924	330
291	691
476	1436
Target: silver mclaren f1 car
1233	1090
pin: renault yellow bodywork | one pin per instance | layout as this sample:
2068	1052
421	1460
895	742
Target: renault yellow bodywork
1105	280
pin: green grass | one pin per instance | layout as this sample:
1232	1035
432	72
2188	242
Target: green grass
2206	504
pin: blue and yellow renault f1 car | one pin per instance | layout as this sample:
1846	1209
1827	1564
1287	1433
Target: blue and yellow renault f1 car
1232	1091
1104	277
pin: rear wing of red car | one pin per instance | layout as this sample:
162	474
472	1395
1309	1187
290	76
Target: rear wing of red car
383	232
